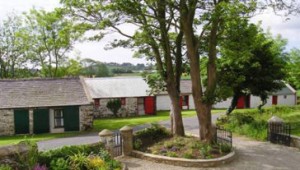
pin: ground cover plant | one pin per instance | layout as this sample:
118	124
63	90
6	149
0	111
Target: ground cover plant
83	157
157	140
253	123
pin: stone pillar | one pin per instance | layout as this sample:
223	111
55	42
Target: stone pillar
106	137
127	135
31	121
275	124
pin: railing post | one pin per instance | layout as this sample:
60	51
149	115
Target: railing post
107	137
127	135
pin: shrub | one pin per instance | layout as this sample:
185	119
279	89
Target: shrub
205	151
114	106
225	148
152	134
65	152
188	154
5	167
30	159
95	162
59	164
78	161
40	167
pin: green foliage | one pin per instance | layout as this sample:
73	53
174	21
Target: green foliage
5	167
253	123
293	68
67	151
225	148
59	164
94	68
152	134
205	151
78	161
249	58
114	106
29	160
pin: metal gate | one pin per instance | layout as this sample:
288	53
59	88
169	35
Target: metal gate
279	133
117	144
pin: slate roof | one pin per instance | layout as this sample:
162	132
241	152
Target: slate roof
42	93
117	87
286	90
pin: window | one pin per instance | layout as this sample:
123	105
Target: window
185	100
123	101
58	118
284	96
97	103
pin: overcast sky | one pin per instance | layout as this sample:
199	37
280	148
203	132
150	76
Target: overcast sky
288	29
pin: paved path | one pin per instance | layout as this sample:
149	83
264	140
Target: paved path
190	124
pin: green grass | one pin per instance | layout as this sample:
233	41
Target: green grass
117	123
9	140
252	123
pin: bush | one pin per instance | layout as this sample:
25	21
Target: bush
114	106
5	167
150	135
59	164
65	152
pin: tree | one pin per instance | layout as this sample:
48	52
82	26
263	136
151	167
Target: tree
51	37
248	60
293	69
94	68
165	31
13	47
114	106
155	38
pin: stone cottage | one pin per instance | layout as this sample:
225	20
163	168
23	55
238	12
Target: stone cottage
133	92
44	106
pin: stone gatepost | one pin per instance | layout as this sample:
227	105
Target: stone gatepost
106	137
275	125
127	135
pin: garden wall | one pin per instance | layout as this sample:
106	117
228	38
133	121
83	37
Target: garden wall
9	154
295	141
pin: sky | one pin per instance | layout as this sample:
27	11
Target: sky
289	30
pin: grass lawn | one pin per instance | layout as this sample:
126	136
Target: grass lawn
117	123
252	123
9	140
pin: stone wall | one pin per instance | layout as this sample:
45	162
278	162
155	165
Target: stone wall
129	109
86	117
7	122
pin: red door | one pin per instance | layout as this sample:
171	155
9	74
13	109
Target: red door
274	100
149	105
180	102
241	103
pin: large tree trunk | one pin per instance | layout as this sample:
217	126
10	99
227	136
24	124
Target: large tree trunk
177	128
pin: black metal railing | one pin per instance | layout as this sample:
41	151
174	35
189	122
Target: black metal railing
223	136
279	133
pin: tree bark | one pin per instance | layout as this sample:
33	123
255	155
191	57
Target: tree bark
233	104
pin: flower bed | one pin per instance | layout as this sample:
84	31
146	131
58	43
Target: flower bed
84	157
157	144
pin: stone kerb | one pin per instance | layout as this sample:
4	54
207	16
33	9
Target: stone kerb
185	162
127	135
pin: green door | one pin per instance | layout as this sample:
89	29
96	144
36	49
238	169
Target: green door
41	121
71	118
21	118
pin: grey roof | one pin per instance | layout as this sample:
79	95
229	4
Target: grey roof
42	93
117	87
286	90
